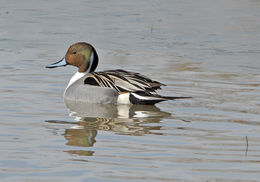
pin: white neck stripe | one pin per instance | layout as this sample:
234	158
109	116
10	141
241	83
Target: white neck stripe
91	62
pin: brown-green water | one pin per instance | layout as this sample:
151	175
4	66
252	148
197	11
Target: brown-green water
209	50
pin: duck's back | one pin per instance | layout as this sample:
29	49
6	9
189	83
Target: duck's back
122	81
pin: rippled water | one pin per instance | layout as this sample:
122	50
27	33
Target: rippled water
205	49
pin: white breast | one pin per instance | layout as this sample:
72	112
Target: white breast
75	77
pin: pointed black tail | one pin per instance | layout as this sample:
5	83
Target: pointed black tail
173	98
147	98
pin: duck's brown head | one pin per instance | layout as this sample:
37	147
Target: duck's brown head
81	55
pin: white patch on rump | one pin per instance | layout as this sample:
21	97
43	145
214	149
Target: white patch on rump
123	98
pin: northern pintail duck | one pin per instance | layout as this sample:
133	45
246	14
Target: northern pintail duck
105	87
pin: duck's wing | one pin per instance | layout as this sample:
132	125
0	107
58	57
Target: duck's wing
133	87
123	81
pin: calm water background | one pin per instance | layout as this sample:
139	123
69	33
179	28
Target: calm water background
209	50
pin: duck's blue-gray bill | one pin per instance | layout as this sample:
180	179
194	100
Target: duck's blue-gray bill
62	62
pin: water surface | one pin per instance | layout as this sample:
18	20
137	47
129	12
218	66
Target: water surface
205	49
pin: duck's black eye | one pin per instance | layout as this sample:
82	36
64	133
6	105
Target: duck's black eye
75	52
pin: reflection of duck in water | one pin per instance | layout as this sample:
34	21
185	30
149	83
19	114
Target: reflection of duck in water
81	137
124	119
111	86
114	111
130	120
